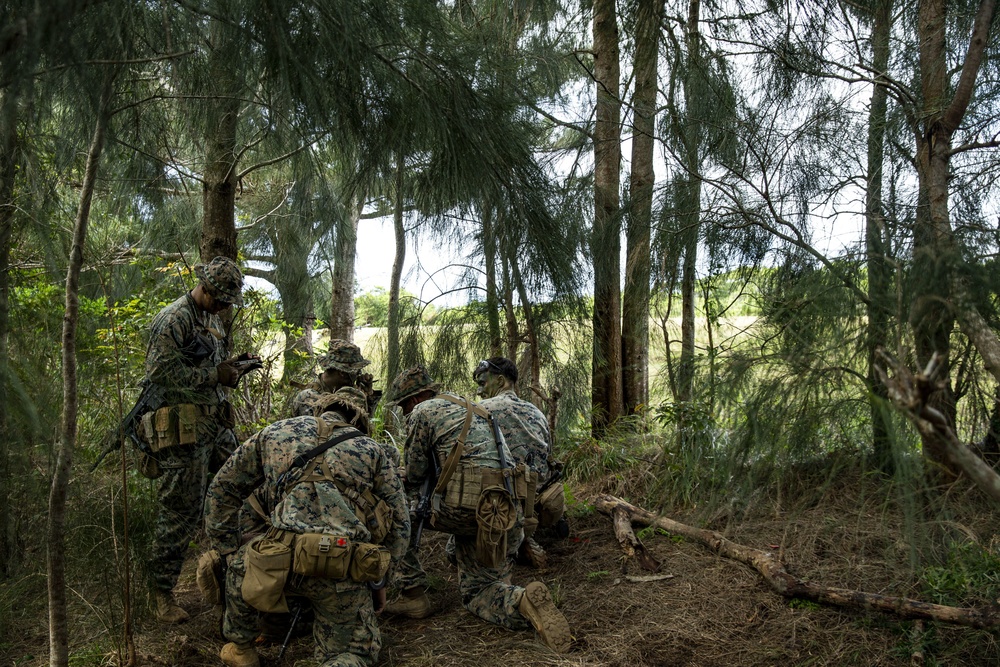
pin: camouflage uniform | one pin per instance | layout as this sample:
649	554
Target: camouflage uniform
345	629
525	429
185	346
432	428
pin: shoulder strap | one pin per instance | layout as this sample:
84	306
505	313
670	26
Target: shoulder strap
302	459
456	451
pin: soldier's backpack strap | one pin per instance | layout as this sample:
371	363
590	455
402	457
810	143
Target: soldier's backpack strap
456	451
301	460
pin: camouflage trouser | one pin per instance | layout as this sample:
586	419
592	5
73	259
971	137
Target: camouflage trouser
345	628
181	498
486	591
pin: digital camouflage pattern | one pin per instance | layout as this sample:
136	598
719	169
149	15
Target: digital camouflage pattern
410	382
525	429
305	401
222	279
344	356
345	628
185	345
432	430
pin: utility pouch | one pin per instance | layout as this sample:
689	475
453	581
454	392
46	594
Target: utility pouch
380	522
495	515
148	466
551	505
321	555
164	433
267	564
188	416
369	562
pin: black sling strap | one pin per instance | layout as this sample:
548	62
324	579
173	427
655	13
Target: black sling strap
302	459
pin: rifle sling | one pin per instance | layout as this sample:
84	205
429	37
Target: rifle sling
302	459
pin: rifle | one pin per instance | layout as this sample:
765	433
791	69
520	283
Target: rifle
423	510
149	399
291	629
505	464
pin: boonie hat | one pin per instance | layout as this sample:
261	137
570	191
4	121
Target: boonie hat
409	382
343	356
223	279
350	402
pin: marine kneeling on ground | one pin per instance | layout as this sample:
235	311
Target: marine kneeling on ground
339	524
526	432
461	481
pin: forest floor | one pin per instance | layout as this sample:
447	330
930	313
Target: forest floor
713	611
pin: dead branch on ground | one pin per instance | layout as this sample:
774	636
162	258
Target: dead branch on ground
781	581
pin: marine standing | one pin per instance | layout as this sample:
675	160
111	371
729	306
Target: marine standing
192	427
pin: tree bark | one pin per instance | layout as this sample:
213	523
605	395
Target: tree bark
58	624
218	232
492	298
876	246
635	301
8	171
530	331
781	581
690	202
935	253
912	394
392	326
345	252
507	294
631	546
606	397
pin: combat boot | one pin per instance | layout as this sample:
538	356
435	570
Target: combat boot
532	553
413	603
234	656
537	606
167	609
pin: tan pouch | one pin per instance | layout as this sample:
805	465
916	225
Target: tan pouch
383	521
321	555
188	416
551	505
149	467
496	514
369	562
164	431
267	564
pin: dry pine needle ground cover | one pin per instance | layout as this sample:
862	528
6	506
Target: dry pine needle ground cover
711	612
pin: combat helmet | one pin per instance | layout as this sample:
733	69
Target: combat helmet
222	279
350	402
343	356
410	382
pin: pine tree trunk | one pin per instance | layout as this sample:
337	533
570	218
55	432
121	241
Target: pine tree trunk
876	245
690	203
218	232
392	328
531	333
58	622
492	299
606	397
935	254
344	254
635	302
507	294
8	171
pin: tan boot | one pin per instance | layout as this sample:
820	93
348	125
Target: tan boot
533	554
537	606
234	656
413	603
167	609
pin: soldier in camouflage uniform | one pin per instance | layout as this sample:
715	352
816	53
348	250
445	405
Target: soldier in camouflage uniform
433	425
345	628
186	359
341	367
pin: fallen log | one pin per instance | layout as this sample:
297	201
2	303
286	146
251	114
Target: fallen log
631	545
781	581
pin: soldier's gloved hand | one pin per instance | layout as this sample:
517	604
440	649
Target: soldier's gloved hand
228	374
